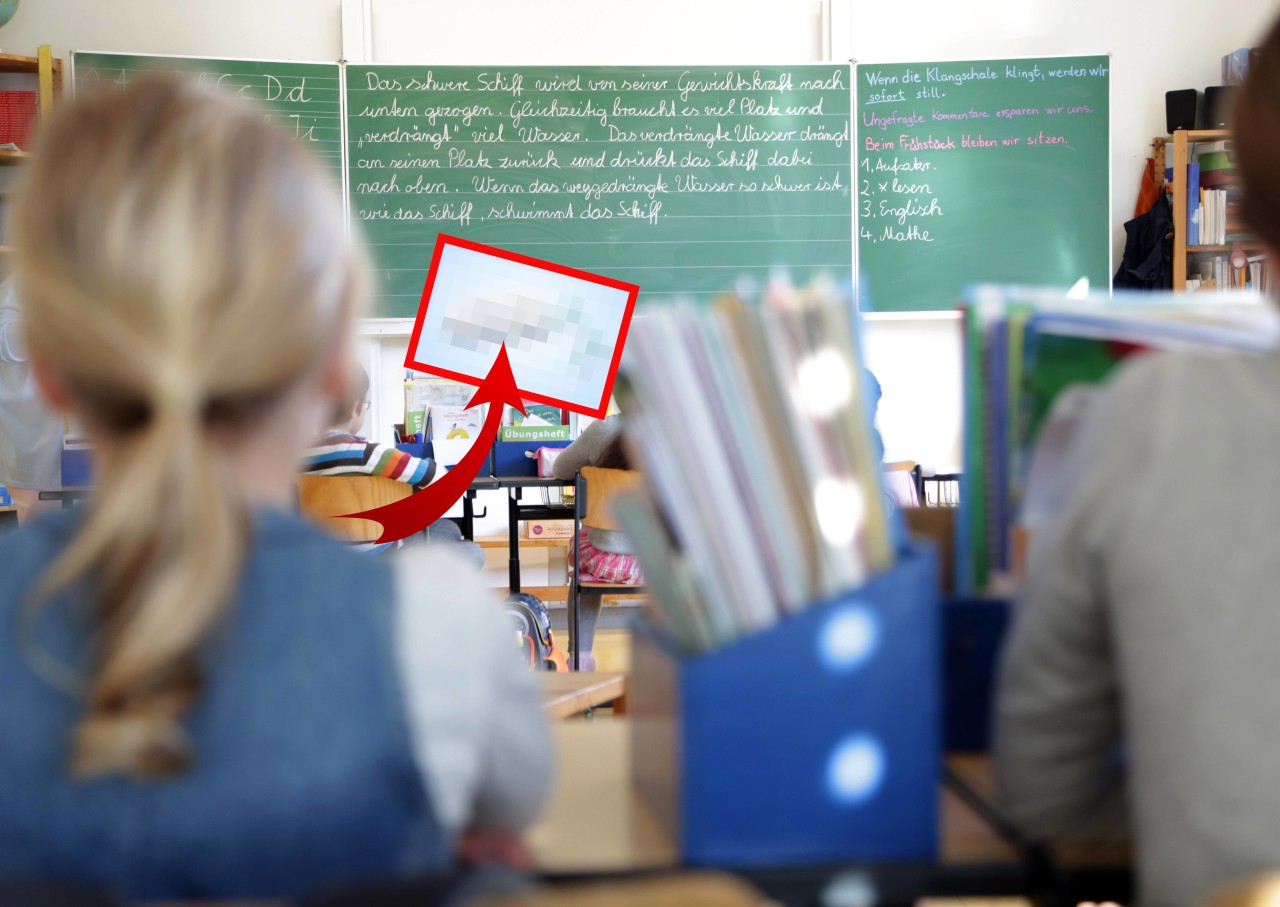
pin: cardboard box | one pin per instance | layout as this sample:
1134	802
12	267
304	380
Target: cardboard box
548	529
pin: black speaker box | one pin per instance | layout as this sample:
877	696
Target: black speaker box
1180	108
1218	101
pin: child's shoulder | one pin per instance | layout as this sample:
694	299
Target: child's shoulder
49	532
27	552
339	438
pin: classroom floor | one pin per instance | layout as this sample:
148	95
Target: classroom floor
612	647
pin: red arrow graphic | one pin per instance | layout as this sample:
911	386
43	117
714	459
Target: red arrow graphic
418	511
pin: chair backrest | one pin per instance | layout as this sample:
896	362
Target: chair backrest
321	497
901	481
601	487
942	489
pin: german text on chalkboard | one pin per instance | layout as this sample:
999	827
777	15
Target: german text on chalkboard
304	99
684	181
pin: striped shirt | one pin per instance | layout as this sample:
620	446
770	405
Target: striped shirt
340	453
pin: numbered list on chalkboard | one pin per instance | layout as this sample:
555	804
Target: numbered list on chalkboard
981	171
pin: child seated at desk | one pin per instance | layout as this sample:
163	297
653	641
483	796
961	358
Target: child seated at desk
205	696
604	556
342	451
1138	686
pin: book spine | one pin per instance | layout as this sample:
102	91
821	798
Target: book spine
1193	204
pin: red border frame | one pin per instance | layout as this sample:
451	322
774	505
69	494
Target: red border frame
443	240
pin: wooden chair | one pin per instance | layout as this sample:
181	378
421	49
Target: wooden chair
903	481
594	491
941	490
321	497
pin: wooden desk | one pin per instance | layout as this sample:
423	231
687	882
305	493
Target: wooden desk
568	693
516	512
596	823
977	772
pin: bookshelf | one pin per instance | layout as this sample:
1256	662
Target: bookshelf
1182	140
47	71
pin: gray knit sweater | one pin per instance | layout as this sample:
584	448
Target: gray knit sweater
1141	683
587	450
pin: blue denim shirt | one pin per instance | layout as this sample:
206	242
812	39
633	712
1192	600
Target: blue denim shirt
304	772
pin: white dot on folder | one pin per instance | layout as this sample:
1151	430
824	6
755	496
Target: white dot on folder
840	507
856	769
823	383
848	638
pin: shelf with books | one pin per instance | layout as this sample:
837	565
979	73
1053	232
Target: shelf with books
26	101
1214	214
17	63
1227	247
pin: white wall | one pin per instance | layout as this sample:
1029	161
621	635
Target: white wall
918	364
259	29
586	32
1155	46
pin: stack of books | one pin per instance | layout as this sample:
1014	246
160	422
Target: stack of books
19	113
435	409
1233	270
750	423
1025	348
1226	257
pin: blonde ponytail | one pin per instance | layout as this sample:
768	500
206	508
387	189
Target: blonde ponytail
182	266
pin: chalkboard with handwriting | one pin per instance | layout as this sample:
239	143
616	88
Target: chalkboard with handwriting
304	99
980	171
683	180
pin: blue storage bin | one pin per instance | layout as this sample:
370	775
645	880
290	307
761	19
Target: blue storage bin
974	630
421	451
77	467
818	741
509	457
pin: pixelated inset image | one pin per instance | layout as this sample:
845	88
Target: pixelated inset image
560	330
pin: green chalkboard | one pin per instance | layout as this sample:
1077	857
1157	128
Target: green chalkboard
304	99
682	180
980	171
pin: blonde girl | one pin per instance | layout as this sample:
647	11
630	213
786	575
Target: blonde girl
203	697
